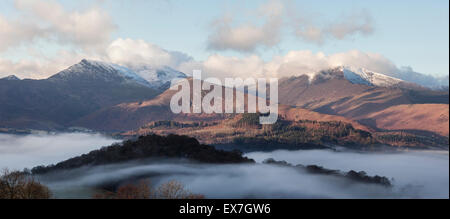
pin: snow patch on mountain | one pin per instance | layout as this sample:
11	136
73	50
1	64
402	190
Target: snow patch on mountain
10	78
160	77
100	70
366	77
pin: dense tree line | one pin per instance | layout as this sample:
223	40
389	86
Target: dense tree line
305	132
407	139
174	124
248	120
150	146
351	175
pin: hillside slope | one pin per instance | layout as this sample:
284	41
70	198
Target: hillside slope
330	92
426	117
130	116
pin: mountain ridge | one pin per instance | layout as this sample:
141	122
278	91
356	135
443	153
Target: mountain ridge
96	70
54	102
10	78
108	97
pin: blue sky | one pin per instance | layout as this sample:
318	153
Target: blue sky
411	33
407	32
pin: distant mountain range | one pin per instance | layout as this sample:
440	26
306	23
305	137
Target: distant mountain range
108	97
389	112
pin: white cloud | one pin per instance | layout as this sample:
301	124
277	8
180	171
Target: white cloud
126	52
248	36
294	63
348	26
131	52
360	23
136	53
90	30
408	74
15	32
373	61
415	174
49	20
40	67
24	68
277	16
305	62
28	151
87	31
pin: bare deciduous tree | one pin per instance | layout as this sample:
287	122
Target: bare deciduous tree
18	185
142	190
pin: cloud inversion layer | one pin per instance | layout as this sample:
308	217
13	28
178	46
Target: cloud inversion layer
18	152
416	175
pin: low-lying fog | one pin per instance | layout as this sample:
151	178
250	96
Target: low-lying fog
417	175
218	181
26	151
420	173
423	174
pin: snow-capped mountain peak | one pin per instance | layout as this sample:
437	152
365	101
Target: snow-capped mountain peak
154	77
101	70
11	78
367	77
